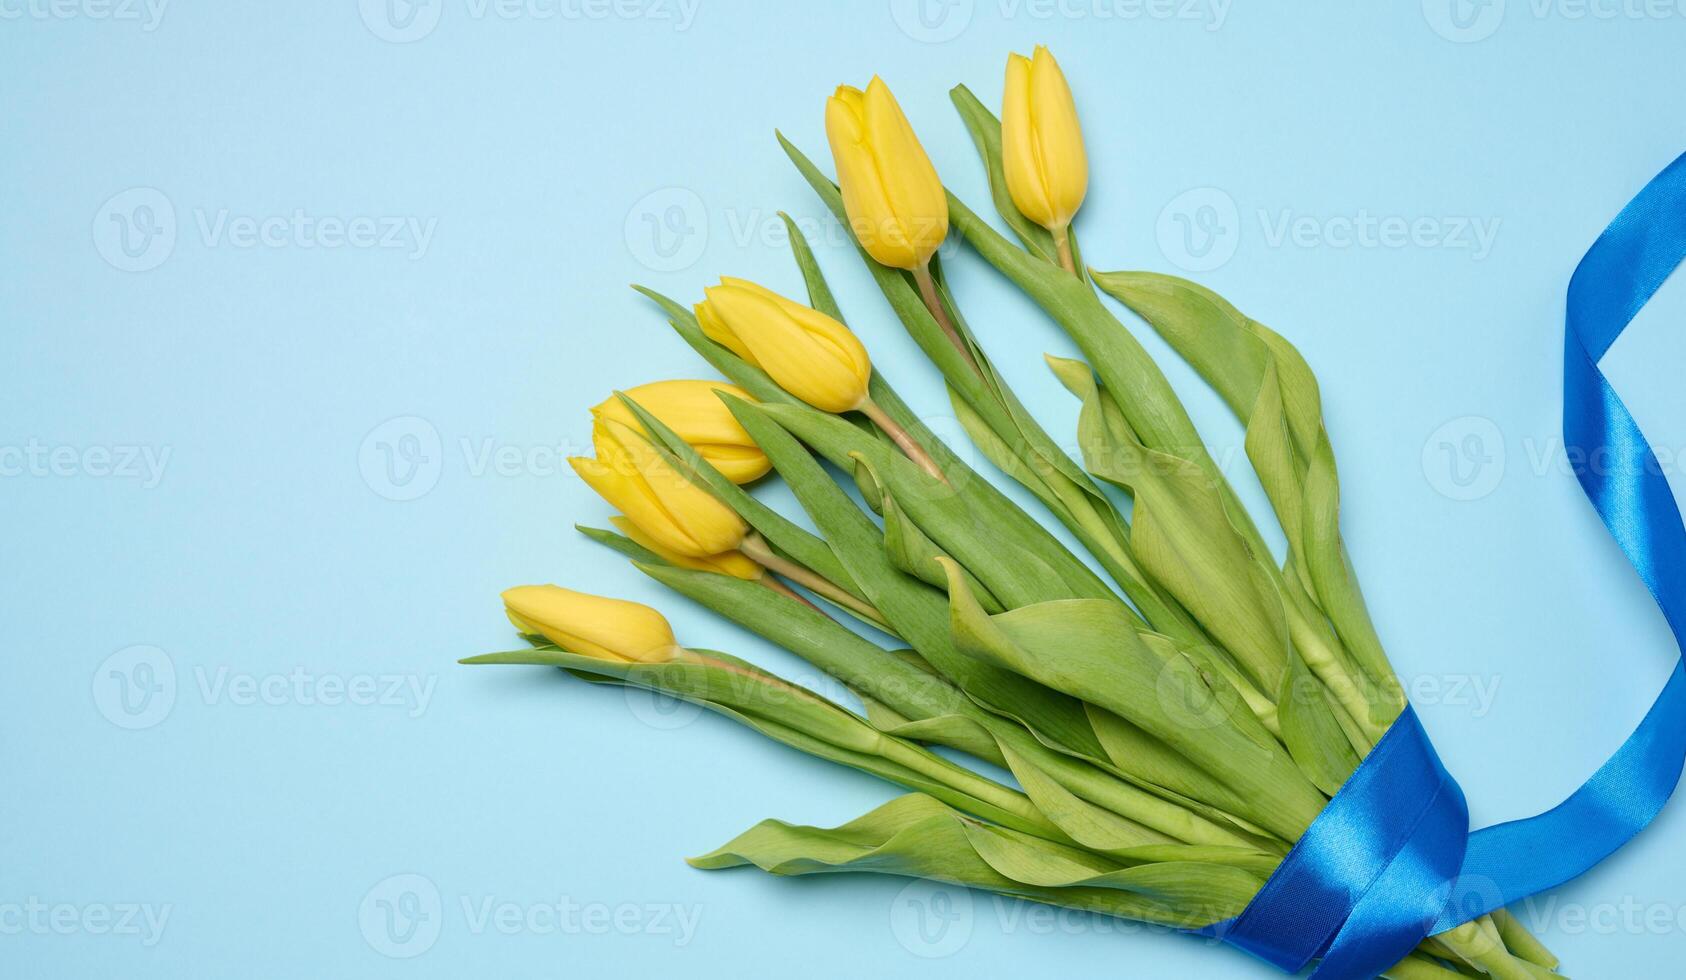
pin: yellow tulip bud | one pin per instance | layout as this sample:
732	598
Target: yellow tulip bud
1041	143
895	202
590	625
697	415
806	352
733	563
631	475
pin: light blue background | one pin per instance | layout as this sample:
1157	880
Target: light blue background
270	825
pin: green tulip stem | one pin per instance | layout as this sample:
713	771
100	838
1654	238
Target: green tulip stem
1520	941
899	435
756	548
934	303
774	584
963	780
1483	950
1062	243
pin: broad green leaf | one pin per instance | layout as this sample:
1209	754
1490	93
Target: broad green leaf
917	611
1092	826
912	551
1268	385
920	837
954	731
1146	397
1313	736
1085	649
1184	536
940	713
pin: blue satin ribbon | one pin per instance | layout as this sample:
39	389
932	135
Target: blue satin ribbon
1391	859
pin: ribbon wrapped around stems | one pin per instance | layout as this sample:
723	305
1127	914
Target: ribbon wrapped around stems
1391	859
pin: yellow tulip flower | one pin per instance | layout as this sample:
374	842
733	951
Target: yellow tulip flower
1042	144
733	563
697	415
895	202
806	352
592	626
631	475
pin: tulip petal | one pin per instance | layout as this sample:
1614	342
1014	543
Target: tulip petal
733	563
595	626
1059	137
808	353
1021	161
632	497
708	525
695	413
910	181
872	217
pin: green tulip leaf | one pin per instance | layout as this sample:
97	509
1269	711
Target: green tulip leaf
915	609
1184	534
920	837
1268	385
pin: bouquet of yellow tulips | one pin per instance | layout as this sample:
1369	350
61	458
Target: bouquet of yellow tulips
1175	706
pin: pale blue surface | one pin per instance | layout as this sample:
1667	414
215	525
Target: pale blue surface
268	825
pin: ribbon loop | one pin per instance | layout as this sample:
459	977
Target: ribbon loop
1369	877
1391	860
